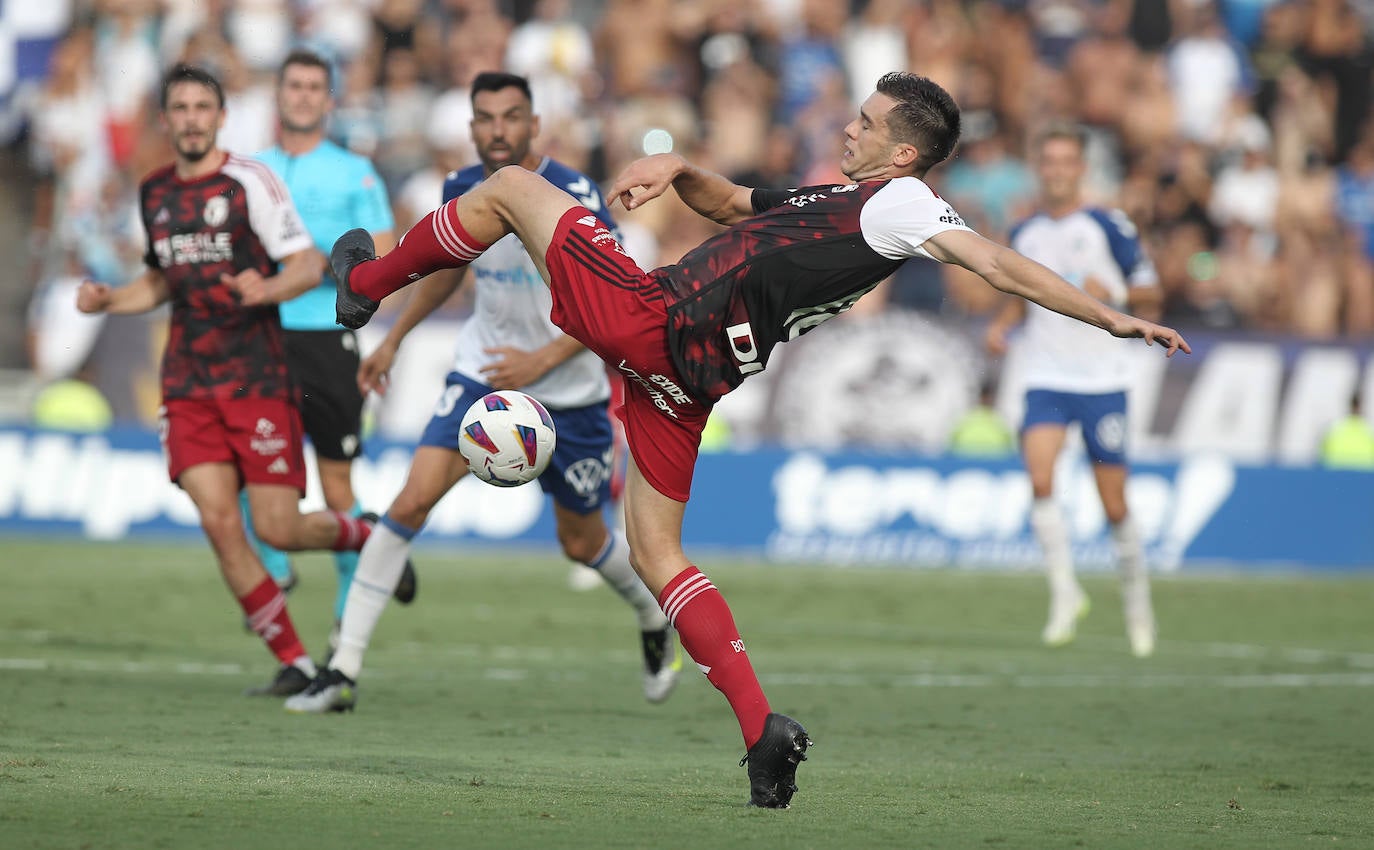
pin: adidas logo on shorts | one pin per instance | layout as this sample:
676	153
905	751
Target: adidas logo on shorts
279	466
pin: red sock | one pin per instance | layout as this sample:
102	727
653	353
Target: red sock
353	533
436	242
265	607
707	629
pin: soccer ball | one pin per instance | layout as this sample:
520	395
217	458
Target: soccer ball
507	438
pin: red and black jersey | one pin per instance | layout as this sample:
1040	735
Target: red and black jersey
806	257
238	218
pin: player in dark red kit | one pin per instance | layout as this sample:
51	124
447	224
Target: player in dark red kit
684	335
218	225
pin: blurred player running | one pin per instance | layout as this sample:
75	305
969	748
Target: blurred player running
217	227
1075	375
509	343
687	334
333	190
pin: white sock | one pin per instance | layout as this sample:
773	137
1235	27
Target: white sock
1047	521
306	665
380	565
614	565
1130	554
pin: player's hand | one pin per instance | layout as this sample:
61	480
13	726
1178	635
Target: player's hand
1132	327
252	288
374	372
513	368
651	174
93	297
995	339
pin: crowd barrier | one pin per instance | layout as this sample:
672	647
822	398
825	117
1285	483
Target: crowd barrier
897	510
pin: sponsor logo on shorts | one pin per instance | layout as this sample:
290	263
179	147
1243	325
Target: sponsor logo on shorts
266	442
349	443
602	235
586	476
279	466
660	389
1111	432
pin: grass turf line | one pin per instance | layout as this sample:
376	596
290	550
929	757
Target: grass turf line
503	710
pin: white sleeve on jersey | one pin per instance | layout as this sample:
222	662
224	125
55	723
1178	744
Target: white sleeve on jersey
271	212
902	215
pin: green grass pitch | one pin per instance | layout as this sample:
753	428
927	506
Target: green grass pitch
503	710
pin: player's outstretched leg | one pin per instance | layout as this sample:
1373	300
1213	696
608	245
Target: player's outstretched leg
773	762
512	200
437	241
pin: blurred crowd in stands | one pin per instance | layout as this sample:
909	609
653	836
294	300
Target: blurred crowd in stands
1236	134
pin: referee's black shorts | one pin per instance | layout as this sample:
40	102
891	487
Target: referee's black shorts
324	365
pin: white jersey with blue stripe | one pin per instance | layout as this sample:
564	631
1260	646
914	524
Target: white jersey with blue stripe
512	302
334	190
1054	351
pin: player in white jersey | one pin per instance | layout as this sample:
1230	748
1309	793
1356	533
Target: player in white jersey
1074	374
508	343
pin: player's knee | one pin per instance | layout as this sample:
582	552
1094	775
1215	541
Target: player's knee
580	546
220	524
411	509
509	179
275	532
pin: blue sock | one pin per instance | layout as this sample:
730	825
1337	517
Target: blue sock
277	562
345	564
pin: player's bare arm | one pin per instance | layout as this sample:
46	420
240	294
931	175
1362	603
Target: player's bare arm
515	368
706	192
1011	272
300	272
427	295
145	292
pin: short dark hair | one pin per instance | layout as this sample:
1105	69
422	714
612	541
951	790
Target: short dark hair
183	72
497	80
1062	130
924	115
308	59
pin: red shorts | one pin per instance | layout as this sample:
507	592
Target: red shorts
604	301
261	437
